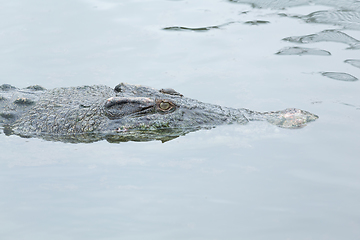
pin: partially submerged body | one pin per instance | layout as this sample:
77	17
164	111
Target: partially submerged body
124	113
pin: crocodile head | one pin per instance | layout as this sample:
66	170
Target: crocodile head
138	107
119	107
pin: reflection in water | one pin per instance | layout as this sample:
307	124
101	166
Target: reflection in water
340	76
303	51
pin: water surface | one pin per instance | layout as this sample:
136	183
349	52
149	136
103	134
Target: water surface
253	181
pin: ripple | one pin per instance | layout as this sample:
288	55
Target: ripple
256	22
354	62
340	4
198	29
345	18
349	105
302	51
326	36
340	76
281	4
277	4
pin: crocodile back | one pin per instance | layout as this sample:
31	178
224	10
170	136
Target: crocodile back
14	102
65	111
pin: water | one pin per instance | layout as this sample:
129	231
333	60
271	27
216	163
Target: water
253	181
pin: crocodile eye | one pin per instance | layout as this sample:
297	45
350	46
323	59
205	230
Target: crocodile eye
165	105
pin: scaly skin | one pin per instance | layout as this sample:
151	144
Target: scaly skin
125	113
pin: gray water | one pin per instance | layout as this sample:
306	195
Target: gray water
253	181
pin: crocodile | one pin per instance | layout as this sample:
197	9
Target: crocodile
124	113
